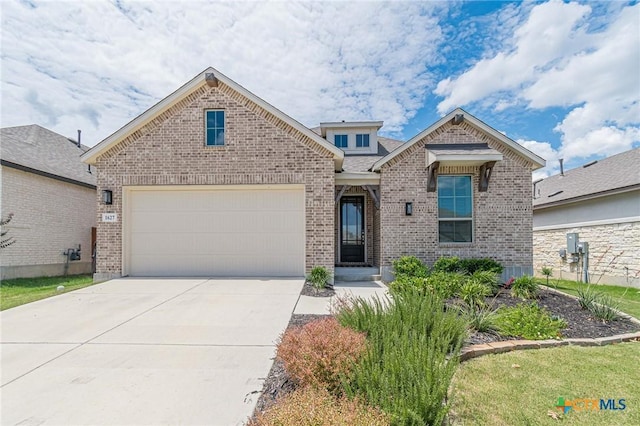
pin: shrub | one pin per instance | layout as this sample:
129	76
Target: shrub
547	272
320	353
311	407
525	287
409	266
481	319
443	284
586	297
408	366
404	282
600	305
446	284
467	266
488	278
605	308
528	321
480	265
319	276
447	264
473	293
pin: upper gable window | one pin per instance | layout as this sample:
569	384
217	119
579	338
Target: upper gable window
215	127
341	141
362	140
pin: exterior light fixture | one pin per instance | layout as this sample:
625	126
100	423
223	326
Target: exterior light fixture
408	209
107	196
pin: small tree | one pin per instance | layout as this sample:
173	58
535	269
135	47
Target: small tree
547	272
6	242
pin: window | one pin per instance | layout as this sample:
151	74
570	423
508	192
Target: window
341	141
362	141
455	208
215	127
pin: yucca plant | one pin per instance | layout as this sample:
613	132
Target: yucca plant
525	287
318	277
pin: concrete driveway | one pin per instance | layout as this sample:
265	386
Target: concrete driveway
143	351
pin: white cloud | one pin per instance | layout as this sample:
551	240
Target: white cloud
563	56
96	65
546	151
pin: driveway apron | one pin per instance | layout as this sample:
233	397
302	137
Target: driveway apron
143	351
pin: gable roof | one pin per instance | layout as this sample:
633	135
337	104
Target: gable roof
536	160
38	150
614	174
198	81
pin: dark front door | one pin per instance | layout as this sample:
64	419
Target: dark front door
352	229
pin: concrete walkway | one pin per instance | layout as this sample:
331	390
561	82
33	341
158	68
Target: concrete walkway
143	351
322	305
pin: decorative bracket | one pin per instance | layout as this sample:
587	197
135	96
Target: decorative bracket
432	176
374	191
342	190
485	175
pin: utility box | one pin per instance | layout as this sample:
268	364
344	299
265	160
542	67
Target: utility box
572	242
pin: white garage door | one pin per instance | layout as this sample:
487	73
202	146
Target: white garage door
218	231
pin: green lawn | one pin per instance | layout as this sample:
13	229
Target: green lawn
491	390
628	298
24	290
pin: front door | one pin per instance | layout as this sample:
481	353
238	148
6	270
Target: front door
352	229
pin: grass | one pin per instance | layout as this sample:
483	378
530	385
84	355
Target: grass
627	298
19	291
490	390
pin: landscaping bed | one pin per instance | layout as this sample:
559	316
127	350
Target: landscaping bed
402	374
580	322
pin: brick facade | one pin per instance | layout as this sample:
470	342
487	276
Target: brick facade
502	216
259	149
50	216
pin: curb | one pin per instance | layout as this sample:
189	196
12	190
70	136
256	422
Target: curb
476	351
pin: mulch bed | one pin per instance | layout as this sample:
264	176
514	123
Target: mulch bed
309	290
581	324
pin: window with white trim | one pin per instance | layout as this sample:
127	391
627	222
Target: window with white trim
341	141
214	127
362	140
455	209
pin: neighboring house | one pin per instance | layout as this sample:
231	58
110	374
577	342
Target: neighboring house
214	181
52	195
601	202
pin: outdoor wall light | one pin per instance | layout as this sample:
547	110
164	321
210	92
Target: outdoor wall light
107	196
408	209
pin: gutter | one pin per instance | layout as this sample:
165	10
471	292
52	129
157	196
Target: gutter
46	174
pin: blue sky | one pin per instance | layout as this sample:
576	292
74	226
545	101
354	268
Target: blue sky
561	78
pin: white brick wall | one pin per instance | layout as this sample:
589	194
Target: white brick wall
49	217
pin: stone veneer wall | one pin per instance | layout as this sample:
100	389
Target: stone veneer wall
259	149
502	220
614	253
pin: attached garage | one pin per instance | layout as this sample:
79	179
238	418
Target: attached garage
225	231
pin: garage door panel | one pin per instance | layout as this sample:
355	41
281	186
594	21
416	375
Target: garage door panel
217	232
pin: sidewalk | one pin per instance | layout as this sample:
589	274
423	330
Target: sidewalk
322	305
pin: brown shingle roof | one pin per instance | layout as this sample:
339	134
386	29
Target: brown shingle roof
41	149
613	173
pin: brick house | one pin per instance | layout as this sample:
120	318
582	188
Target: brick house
214	181
52	195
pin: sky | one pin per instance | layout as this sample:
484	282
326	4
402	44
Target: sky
561	78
